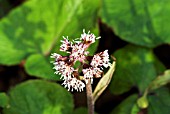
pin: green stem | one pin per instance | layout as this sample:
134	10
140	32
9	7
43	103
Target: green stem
90	101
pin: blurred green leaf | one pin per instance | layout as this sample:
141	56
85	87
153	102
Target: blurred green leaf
159	102
26	30
136	66
36	27
126	106
39	97
155	84
142	22
104	82
160	81
135	109
4	100
39	66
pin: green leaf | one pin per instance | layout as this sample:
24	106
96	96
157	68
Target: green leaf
4	100
135	109
126	106
159	102
104	82
160	81
136	66
155	84
39	66
38	30
142	22
39	97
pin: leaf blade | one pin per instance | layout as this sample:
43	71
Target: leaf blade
104	82
39	97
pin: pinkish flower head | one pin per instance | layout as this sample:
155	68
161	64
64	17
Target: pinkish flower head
78	52
88	74
66	44
62	67
73	83
101	59
91	67
91	72
88	38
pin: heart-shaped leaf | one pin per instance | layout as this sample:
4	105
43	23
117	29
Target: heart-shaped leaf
39	66
136	66
142	22
39	97
38	29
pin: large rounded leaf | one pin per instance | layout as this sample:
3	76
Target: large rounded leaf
136	67
36	27
37	65
39	97
29	28
142	22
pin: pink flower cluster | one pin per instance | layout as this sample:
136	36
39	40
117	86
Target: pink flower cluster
91	66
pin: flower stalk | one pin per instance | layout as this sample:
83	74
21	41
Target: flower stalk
90	100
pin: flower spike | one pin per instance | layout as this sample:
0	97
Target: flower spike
91	66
